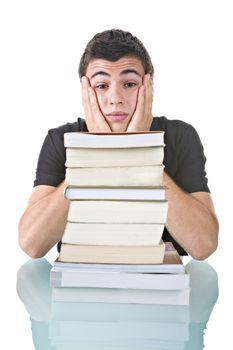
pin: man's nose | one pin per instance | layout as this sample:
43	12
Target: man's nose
116	96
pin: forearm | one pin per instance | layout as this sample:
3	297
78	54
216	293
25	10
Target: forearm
190	222
42	225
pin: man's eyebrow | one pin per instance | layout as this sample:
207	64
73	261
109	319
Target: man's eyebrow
130	70
124	72
99	73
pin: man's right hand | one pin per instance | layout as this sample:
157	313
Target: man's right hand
94	118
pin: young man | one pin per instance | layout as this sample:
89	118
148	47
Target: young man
117	88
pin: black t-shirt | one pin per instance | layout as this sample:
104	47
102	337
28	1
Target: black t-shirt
184	159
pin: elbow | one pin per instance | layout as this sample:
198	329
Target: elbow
204	252
27	244
30	249
208	247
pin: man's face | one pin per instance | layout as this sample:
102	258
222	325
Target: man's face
116	85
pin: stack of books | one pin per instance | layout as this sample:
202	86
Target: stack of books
115	222
117	207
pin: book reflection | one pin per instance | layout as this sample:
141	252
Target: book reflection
73	326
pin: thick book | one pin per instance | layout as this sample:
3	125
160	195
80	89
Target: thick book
122	296
112	234
113	157
118	211
112	254
107	279
172	263
102	193
122	280
114	140
140	176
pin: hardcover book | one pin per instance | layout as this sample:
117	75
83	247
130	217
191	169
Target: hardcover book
114	140
113	157
118	211
141	176
112	254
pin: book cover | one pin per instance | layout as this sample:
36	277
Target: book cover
114	140
117	193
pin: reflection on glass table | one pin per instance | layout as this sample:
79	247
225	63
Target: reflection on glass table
74	326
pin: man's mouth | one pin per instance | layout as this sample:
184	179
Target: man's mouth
117	116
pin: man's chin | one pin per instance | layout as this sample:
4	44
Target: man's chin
119	126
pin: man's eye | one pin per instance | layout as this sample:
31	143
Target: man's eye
130	84
101	86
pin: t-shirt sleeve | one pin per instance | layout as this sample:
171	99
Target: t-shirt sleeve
191	174
51	163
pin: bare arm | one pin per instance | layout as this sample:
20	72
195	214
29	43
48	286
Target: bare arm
191	220
43	222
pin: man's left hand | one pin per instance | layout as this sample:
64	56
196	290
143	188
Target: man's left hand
142	117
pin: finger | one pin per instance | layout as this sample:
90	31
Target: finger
148	96
85	85
85	96
136	122
146	79
141	102
98	117
94	119
94	103
95	109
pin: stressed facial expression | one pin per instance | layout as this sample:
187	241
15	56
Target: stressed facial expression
116	85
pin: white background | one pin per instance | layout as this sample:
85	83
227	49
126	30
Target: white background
190	43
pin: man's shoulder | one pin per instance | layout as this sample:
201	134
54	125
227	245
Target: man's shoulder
176	130
79	125
165	124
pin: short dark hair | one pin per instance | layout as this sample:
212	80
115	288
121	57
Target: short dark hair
112	45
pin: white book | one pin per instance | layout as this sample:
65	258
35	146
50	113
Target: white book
112	157
112	279
114	140
118	211
128	296
140	176
77	193
112	254
112	234
172	263
142	268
